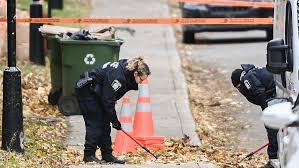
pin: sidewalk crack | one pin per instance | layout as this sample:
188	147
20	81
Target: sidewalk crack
177	110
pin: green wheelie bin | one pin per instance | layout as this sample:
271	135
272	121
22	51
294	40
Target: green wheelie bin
54	55
79	56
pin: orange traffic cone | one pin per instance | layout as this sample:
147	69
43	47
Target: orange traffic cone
143	121
123	143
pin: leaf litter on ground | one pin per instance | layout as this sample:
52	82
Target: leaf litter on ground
46	129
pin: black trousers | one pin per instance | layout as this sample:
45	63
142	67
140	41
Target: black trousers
273	144
97	124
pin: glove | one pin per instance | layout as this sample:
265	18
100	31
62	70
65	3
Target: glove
116	124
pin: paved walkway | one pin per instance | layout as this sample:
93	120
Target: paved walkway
170	106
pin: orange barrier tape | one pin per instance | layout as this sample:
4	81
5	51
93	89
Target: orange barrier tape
231	3
204	21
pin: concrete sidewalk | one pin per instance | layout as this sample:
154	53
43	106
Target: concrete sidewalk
170	106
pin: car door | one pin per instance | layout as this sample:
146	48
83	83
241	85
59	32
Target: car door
285	81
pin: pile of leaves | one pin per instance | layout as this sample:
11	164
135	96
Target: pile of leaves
176	151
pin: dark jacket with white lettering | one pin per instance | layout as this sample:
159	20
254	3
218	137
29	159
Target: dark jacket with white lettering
257	85
112	81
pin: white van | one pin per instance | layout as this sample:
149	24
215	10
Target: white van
283	61
283	51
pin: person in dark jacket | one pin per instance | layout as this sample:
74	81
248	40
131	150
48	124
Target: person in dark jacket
97	92
258	86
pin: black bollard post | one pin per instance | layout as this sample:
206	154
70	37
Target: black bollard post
54	4
12	116
36	44
57	4
49	8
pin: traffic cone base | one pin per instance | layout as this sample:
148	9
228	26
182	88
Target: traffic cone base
153	142
148	140
123	143
156	147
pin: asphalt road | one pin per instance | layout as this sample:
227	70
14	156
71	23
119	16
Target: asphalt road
227	50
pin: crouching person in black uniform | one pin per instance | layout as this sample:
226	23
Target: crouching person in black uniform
258	85
97	92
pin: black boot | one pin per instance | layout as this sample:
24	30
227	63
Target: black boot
91	159
109	158
268	165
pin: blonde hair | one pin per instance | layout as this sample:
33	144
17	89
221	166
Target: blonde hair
137	64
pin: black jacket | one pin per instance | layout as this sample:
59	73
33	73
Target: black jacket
112	81
257	85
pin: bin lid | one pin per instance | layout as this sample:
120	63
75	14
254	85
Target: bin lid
50	36
114	42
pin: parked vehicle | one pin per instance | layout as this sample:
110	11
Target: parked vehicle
284	116
283	61
193	10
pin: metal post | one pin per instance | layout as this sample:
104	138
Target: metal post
12	117
57	4
49	9
36	42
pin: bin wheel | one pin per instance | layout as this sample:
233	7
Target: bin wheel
188	37
53	97
68	106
